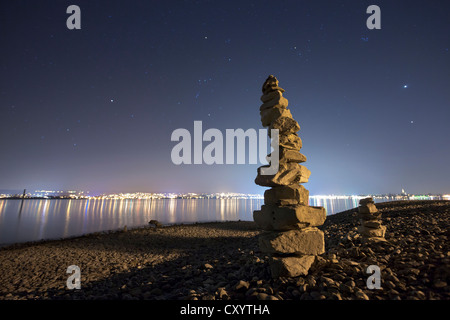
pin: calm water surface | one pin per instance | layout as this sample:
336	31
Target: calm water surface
54	219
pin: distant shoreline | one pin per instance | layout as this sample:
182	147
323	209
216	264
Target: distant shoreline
395	197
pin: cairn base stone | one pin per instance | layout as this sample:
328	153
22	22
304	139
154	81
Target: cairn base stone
307	241
293	266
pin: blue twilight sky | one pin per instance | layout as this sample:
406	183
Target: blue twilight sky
94	109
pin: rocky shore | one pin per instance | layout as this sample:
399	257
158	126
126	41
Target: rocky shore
222	261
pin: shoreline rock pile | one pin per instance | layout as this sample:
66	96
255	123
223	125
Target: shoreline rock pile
371	229
291	237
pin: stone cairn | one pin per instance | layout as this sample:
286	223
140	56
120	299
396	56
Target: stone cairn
291	238
370	229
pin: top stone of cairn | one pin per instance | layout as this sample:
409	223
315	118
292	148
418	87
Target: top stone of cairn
271	84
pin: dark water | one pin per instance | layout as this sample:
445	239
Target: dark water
54	219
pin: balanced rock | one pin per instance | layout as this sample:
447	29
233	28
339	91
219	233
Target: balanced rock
291	238
371	228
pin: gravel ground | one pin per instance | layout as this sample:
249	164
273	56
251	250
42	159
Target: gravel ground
222	261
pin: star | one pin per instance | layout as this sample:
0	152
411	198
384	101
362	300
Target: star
405	86
112	100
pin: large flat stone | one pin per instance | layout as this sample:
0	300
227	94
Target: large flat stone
307	241
288	173
293	194
294	217
293	266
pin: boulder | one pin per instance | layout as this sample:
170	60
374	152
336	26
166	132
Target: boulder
307	241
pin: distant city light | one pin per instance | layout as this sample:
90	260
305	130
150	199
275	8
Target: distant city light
73	194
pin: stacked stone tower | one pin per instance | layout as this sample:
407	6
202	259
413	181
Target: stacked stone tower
370	229
291	236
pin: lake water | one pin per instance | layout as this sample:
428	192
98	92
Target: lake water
54	219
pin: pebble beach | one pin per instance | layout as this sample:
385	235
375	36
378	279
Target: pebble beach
222	261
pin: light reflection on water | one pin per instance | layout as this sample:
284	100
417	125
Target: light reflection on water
54	219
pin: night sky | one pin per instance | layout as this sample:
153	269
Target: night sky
94	109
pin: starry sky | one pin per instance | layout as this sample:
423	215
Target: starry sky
94	109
